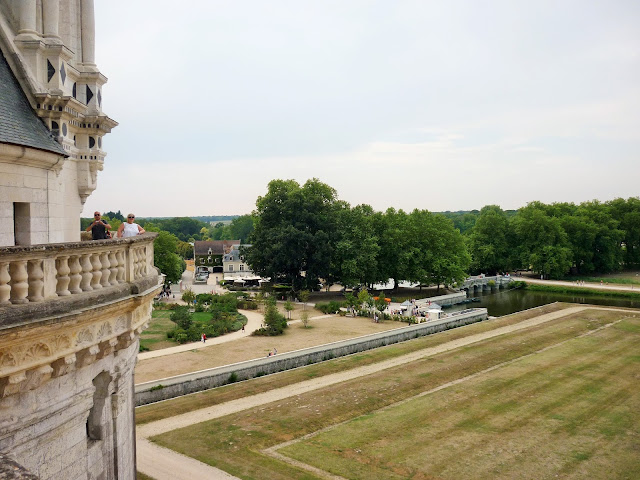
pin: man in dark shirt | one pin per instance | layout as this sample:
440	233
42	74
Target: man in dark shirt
98	227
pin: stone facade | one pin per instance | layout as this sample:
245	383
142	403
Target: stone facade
70	312
70	319
49	47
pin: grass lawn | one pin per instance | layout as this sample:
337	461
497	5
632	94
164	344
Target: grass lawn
570	410
176	406
155	336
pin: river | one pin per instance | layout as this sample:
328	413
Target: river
504	302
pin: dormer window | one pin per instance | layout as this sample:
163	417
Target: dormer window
209	252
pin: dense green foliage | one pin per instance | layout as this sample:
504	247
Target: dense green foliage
166	258
215	315
274	321
304	233
238	229
295	232
558	239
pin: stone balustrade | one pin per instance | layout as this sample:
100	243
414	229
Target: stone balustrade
64	306
36	278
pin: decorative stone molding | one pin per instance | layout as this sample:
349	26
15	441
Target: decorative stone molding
94	318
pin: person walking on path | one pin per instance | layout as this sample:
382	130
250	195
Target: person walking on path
130	229
98	227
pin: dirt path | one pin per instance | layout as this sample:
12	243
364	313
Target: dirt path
322	331
154	460
586	285
163	464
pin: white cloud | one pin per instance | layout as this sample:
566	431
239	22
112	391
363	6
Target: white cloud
438	105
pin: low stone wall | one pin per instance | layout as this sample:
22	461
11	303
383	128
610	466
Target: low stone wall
172	387
444	300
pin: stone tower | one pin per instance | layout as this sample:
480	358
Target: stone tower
70	311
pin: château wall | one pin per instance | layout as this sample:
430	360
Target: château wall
70	319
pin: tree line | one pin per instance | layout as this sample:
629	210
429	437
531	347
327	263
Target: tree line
303	233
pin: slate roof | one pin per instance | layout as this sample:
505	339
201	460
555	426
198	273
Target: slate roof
218	247
19	124
234	254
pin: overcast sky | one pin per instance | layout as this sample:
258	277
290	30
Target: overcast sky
438	105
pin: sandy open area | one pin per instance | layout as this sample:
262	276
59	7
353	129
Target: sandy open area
296	337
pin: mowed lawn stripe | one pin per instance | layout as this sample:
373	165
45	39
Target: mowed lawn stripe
546	415
233	442
188	403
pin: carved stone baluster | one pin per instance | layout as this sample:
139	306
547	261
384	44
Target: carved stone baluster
121	265
63	270
36	281
87	273
104	259
143	261
97	271
19	285
113	261
5	288
135	258
75	278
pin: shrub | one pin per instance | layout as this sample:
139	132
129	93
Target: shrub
181	317
304	317
330	307
274	321
182	338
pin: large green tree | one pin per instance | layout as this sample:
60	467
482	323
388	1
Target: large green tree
594	237
627	214
295	232
489	241
241	228
438	252
541	242
355	256
395	255
166	258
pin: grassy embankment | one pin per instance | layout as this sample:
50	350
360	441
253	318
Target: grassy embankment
177	406
526	405
565	411
582	291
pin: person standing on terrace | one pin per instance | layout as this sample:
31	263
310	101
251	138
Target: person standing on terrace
130	229
98	227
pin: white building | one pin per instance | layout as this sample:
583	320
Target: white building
234	265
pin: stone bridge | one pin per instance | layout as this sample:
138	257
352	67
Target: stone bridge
483	282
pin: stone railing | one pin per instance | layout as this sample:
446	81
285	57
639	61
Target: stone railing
52	278
65	306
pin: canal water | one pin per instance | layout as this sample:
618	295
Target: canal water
504	302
